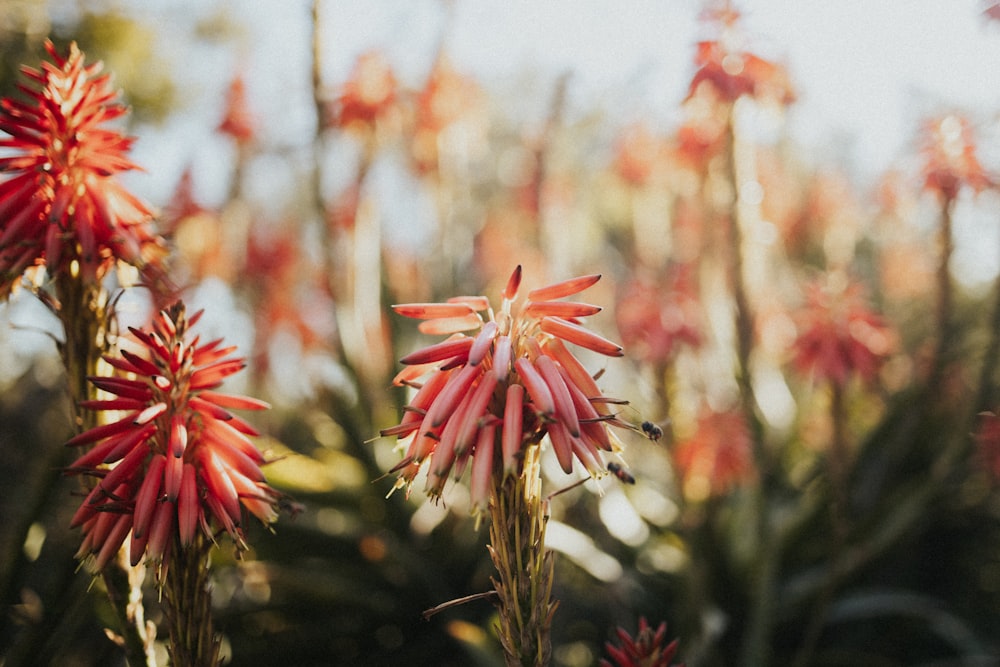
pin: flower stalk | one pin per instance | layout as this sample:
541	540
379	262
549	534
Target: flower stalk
188	608
490	401
525	569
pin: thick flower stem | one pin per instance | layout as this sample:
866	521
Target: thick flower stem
518	516
188	606
82	307
945	293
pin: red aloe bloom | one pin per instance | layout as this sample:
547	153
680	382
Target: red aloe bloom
717	457
950	157
646	649
637	154
238	122
60	205
732	72
655	320
444	99
485	397
840	336
178	460
368	96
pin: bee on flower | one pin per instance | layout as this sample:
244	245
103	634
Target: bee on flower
178	461
502	381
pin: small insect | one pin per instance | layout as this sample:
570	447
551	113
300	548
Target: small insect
622	474
652	431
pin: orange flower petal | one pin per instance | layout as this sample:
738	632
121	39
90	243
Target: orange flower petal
574	333
564	288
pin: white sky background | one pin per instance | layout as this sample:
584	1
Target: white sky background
866	71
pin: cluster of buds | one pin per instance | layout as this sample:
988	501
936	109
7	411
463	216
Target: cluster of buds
178	460
510	383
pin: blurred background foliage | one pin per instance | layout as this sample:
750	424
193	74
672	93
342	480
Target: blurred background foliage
827	505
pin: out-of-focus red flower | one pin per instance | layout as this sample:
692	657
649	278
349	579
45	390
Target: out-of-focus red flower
702	135
446	96
717	457
291	295
654	319
182	204
647	649
637	154
992	11
238	121
368	96
344	211
732	72
987	441
483	398
60	205
949	150
178	460
839	335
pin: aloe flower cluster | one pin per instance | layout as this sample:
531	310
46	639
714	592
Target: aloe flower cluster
647	649
177	461
61	206
502	380
841	337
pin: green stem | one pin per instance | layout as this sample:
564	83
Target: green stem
82	307
518	516
838	464
945	293
188	608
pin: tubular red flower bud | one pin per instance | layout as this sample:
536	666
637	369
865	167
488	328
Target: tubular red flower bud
449	349
574	333
512	427
431	311
563	289
536	387
562	401
564	309
482	468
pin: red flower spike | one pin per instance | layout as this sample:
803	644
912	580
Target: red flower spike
238	122
732	72
179	460
646	649
949	150
60	202
368	97
839	336
717	457
515	375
